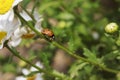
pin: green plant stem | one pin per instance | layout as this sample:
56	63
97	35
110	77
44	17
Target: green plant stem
67	50
15	53
28	13
34	6
28	23
83	59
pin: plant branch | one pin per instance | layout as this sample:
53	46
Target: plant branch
67	50
15	53
84	59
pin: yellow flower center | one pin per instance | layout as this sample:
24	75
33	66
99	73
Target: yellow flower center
5	6
28	35
31	78
2	36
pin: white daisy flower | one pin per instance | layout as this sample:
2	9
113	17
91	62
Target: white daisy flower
26	72
6	29
20	78
26	32
6	9
37	18
19	34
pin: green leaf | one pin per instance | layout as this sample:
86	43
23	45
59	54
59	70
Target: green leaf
112	55
76	67
92	57
66	16
48	5
9	68
89	54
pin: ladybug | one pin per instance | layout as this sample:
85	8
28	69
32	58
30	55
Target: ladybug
48	33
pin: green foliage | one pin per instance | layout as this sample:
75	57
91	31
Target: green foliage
91	56
25	3
9	68
79	26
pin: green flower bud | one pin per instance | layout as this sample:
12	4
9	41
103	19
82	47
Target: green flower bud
111	27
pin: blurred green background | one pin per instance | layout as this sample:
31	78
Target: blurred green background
77	24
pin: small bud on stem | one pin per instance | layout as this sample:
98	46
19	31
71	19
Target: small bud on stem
111	28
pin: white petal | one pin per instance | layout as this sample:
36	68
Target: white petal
1	45
19	32
25	16
25	71
7	16
33	69
38	25
20	78
12	26
37	64
23	30
39	77
14	43
37	16
11	15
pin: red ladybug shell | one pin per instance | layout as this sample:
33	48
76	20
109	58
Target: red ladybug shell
48	32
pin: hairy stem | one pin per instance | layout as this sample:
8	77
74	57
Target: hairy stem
83	59
15	53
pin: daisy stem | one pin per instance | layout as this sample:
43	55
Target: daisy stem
28	13
67	50
28	23
15	53
84	59
35	5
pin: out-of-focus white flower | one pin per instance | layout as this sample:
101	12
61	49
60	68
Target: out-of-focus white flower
6	9
32	69
19	33
36	16
26	32
26	72
6	29
20	78
95	35
25	16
